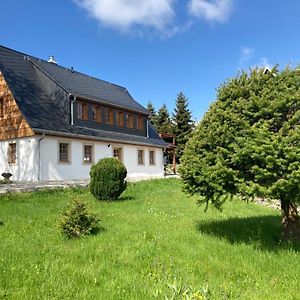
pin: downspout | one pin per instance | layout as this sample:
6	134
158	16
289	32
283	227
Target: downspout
72	108
39	156
147	126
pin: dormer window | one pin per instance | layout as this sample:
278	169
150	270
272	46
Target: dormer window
140	123
129	120
120	118
97	113
82	110
110	116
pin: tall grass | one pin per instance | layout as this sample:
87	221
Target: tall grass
154	243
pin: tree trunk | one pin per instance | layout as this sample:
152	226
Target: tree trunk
290	221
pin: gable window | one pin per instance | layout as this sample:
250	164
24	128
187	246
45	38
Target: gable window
82	110
87	154
141	159
110	116
118	153
151	157
12	153
129	120
140	123
64	153
1	107
120	118
97	113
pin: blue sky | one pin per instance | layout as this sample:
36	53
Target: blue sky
156	48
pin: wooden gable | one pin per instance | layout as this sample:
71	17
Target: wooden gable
12	123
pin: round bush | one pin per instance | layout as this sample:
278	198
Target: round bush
107	179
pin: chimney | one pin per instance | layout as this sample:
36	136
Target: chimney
52	60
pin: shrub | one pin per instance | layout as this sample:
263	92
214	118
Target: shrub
77	220
108	179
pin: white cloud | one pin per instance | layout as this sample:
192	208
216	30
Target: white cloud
264	63
246	54
211	10
125	14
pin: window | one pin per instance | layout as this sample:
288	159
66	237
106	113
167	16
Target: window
87	154
140	157
97	113
118	153
151	157
110	116
1	107
64	153
140	123
129	120
82	111
120	118
12	153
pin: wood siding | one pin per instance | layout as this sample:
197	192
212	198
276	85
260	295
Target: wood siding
12	123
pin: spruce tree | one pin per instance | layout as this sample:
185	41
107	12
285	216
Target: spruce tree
183	123
152	114
163	121
248	144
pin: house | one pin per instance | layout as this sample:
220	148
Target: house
55	122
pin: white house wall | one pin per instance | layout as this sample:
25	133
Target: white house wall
26	166
51	169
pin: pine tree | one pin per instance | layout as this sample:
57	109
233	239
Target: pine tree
163	121
152	114
248	145
183	123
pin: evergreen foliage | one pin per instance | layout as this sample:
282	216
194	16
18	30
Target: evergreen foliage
108	179
248	144
183	123
163	121
77	220
152	114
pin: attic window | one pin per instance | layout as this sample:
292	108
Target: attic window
110	116
97	113
140	123
82	110
129	120
1	107
120	118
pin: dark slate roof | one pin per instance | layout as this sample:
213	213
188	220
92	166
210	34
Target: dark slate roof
85	86
25	77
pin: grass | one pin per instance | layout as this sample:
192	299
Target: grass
154	243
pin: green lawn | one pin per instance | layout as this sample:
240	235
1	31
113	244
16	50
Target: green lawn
151	239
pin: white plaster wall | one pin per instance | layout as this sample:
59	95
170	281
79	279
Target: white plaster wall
51	169
26	167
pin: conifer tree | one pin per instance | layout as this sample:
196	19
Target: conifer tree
248	144
152	114
163	121
183	123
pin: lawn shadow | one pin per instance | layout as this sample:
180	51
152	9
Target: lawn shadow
124	198
97	230
262	232
1	223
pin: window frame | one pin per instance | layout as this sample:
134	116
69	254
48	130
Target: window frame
69	153
121	152
82	110
92	154
12	159
129	120
109	116
120	118
140	123
97	113
154	157
142	162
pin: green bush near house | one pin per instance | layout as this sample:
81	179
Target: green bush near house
107	179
